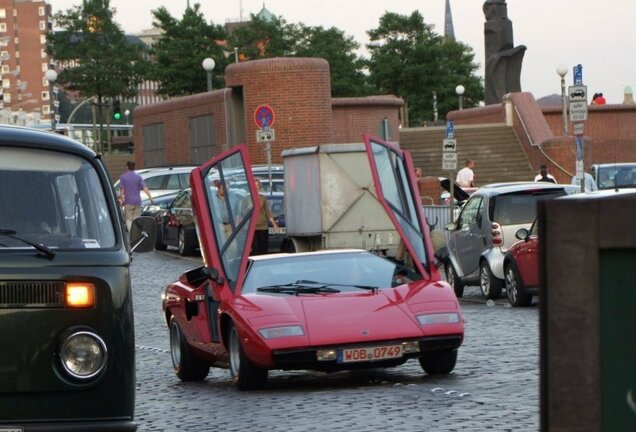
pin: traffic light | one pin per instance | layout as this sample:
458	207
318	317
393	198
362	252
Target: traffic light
116	109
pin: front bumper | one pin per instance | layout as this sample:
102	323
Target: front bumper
307	358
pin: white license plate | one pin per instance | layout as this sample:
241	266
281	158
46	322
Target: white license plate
352	355
281	230
11	429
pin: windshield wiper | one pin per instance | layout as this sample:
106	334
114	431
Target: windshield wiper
298	288
328	284
11	234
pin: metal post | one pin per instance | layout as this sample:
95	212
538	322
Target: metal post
385	128
268	150
580	167
435	114
451	201
564	107
209	73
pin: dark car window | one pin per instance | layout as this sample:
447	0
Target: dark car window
184	181
519	207
155	182
470	212
173	182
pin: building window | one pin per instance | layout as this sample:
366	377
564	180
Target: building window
7	97
43	53
6	83
45	82
16	40
41	11
45	95
5	69
46	109
42	25
3	13
3	27
43	39
202	138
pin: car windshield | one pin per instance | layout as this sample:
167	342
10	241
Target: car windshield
616	176
53	199
350	271
519	207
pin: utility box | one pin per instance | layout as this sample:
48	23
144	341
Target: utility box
588	312
331	202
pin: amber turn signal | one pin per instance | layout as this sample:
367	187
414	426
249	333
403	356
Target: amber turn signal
80	295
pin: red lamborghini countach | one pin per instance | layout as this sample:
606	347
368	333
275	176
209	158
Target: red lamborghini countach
327	310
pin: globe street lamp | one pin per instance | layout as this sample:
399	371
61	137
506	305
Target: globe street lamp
562	70
208	64
51	77
460	92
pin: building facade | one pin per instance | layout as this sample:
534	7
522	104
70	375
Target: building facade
26	93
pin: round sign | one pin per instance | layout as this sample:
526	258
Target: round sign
264	116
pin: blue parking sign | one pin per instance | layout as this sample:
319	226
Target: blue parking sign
578	75
450	129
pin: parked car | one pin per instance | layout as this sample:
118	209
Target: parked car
615	175
326	310
521	267
163	180
159	204
67	349
176	225
484	230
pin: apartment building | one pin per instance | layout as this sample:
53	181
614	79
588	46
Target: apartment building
26	97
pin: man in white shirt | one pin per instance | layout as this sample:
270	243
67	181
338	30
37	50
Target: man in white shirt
465	176
590	184
544	176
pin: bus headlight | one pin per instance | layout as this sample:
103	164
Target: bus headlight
83	355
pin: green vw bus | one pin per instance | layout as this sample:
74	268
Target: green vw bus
67	352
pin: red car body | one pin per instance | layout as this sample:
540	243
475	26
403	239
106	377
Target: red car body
227	314
521	267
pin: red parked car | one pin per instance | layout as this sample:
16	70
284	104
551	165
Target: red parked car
327	310
521	267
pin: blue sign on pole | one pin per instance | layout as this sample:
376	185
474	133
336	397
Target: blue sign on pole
450	129
578	75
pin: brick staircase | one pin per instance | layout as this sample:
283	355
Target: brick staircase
495	148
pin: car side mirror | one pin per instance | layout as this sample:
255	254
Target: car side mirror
522	234
213	274
451	226
143	234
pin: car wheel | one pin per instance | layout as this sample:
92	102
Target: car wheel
159	244
453	280
489	284
515	289
438	363
185	244
187	365
245	374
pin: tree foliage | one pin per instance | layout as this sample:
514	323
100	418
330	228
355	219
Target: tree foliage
95	57
410	60
179	53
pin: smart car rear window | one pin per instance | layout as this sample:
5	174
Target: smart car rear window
519	207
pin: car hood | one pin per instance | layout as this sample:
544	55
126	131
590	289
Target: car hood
345	317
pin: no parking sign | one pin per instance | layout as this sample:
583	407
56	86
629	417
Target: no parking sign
264	116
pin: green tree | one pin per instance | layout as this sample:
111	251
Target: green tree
93	54
347	78
178	54
410	60
260	38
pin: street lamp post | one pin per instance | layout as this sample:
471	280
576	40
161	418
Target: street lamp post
208	64
127	114
460	93
562	70
51	77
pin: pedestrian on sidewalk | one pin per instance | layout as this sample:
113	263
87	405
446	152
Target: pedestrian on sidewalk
466	176
544	176
130	186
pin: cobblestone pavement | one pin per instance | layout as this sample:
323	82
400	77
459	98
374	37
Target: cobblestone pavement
494	387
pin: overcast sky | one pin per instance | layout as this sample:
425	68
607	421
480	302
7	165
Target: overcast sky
598	35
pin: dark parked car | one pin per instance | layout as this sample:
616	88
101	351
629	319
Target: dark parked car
521	267
176	226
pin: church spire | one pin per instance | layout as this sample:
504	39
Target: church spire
449	31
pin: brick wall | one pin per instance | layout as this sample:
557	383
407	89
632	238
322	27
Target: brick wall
353	117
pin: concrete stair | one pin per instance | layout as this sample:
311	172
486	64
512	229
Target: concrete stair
495	148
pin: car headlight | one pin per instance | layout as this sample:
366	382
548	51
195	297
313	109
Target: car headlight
438	318
276	332
152	208
83	355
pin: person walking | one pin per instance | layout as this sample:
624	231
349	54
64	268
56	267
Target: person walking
130	186
466	176
544	176
260	244
589	183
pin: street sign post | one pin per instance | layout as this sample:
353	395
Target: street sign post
450	129
578	111
264	116
449	163
265	135
578	74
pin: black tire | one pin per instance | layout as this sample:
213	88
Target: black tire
453	280
438	363
185	244
489	284
159	244
187	365
515	289
245	375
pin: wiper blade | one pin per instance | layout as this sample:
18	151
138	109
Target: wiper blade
298	288
11	234
328	284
